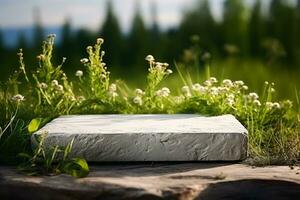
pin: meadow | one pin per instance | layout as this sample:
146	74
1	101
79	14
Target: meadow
28	100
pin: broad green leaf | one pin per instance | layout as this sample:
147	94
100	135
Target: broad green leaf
34	125
76	167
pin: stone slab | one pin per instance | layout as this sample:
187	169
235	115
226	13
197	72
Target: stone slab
180	137
157	181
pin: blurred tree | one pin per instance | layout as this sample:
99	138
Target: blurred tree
66	48
112	35
256	32
156	43
199	21
282	13
38	32
235	25
1	42
138	42
22	43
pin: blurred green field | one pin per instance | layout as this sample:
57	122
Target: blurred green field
253	72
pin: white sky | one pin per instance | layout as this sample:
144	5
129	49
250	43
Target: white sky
90	13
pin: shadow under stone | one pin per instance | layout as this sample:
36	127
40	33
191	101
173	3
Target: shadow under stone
252	189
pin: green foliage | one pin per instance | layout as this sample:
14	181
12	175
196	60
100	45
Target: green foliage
53	161
273	126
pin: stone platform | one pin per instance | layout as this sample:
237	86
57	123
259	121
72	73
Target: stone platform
149	137
158	181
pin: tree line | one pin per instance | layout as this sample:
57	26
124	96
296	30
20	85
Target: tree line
258	32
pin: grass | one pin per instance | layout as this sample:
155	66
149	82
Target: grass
28	100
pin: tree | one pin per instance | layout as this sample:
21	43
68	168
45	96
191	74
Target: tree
199	21
112	35
280	14
137	41
235	25
38	32
67	46
22	44
256	32
155	38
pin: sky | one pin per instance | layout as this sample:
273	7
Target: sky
90	13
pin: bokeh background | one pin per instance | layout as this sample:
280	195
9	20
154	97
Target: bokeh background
252	40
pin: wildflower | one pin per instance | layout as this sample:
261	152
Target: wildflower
207	83
245	87
18	98
164	92
113	94
54	83
199	88
227	83
84	60
79	73
43	85
100	41
89	48
112	88
223	90
150	58
138	100
272	90
276	105
256	103
287	104
165	64
269	105
59	88
169	71
239	83
213	80
214	91
229	101
253	96
139	92
185	90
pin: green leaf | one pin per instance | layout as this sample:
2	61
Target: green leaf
76	167
34	125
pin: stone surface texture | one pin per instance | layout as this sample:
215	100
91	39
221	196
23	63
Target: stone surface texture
149	137
144	181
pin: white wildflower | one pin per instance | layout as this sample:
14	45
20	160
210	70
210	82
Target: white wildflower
43	85
79	73
138	100
256	103
213	80
139	92
100	41
269	105
84	60
245	87
149	58
239	83
185	90
214	91
112	88
199	88
59	88
229	101
253	96
18	98
227	83
54	83
81	98
164	92
276	105
169	71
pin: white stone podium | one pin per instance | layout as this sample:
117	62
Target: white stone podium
179	137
